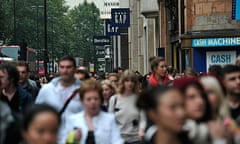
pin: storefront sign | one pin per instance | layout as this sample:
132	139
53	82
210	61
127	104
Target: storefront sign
216	42
120	17
111	30
107	5
220	58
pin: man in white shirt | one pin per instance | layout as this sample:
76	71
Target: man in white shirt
58	91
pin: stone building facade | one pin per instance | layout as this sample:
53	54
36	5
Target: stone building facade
174	29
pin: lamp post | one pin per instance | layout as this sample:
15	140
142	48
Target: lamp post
94	47
45	37
37	35
14	21
51	18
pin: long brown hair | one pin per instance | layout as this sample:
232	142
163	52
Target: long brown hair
128	74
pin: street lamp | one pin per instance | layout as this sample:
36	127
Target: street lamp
37	36
51	54
45	40
94	48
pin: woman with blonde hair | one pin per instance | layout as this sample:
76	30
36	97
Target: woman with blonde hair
108	90
130	119
219	108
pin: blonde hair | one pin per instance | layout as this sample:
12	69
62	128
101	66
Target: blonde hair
214	84
126	75
110	85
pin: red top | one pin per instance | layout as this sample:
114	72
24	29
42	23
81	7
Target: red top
154	82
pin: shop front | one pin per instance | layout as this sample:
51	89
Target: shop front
214	51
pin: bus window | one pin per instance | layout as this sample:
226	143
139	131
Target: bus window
10	52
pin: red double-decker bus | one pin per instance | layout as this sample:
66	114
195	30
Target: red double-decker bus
11	53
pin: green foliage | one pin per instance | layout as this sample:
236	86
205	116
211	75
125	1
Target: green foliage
69	31
86	23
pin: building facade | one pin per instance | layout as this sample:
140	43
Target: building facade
210	35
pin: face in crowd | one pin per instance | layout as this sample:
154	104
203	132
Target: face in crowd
215	94
161	69
66	70
23	74
129	85
194	103
114	80
107	90
90	93
4	79
232	83
40	125
165	107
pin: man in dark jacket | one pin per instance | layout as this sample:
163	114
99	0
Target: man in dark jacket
24	81
16	97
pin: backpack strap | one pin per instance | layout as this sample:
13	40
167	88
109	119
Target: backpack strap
68	101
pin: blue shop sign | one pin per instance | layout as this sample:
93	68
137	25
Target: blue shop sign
120	17
111	30
216	42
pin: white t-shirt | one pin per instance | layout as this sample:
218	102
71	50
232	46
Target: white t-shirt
65	92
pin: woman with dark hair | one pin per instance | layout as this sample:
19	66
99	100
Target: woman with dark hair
130	119
199	122
40	124
165	107
159	74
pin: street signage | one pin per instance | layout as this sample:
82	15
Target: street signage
120	17
101	40
111	30
101	59
106	6
100	53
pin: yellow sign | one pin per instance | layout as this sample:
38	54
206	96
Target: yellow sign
91	68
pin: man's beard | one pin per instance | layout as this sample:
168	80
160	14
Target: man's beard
235	95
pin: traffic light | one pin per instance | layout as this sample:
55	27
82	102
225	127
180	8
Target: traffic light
23	51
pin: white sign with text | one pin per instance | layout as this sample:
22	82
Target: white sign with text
107	6
220	58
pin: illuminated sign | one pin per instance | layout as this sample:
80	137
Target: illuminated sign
216	42
236	9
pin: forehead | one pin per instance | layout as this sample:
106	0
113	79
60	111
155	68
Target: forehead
171	96
66	63
162	63
233	74
113	77
21	68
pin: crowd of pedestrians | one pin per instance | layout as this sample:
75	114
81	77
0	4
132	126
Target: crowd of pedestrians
122	107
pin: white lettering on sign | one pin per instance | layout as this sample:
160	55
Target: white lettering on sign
112	29
101	40
220	58
120	17
211	42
